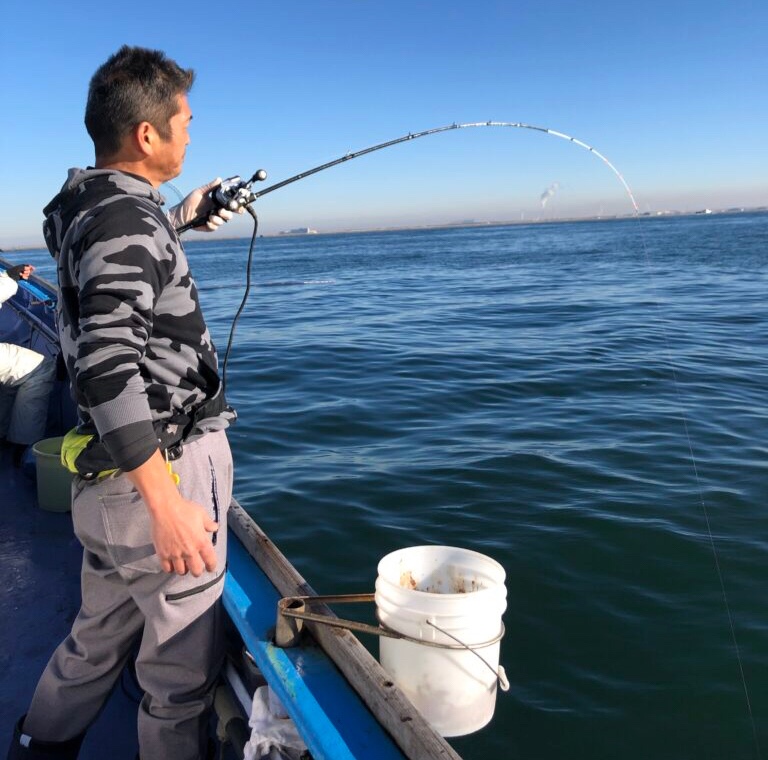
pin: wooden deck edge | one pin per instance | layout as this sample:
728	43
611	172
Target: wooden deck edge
410	731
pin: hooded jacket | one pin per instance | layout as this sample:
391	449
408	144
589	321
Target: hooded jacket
132	334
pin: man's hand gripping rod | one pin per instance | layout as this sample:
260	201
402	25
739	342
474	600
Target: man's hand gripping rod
232	194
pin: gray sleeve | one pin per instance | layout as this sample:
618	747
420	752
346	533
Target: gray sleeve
120	273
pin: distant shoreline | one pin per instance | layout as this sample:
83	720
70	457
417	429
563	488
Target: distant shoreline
522	222
467	224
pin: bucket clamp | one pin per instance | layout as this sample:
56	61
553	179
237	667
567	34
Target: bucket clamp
292	611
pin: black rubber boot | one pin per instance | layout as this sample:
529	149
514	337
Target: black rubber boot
24	747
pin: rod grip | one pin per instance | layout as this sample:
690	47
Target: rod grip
196	222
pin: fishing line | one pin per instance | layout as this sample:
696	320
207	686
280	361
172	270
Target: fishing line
244	300
703	504
236	193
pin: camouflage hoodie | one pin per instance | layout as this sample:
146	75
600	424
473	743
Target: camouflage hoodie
132	334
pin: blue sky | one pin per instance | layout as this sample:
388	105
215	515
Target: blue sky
672	93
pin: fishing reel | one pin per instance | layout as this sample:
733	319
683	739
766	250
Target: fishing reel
232	194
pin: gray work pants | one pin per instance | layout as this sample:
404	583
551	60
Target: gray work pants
127	599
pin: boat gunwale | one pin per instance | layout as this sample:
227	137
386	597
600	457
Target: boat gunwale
392	709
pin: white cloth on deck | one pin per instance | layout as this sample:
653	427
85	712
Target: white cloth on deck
272	737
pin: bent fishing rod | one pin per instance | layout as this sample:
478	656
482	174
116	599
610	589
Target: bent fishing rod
235	193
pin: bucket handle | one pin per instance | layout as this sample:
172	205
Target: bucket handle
501	674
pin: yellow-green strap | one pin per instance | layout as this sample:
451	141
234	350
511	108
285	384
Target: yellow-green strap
71	448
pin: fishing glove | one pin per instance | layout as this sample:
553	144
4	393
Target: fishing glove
199	203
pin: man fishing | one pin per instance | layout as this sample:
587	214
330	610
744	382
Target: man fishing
153	467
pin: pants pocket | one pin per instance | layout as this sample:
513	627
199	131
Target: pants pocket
129	533
187	593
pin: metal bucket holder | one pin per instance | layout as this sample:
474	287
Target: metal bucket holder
292	611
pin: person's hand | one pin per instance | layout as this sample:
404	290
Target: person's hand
181	529
198	203
20	271
181	534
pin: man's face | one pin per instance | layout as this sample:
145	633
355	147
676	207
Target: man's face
168	158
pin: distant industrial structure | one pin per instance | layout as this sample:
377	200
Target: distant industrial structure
300	231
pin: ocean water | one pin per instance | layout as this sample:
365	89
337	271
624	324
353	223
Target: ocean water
583	402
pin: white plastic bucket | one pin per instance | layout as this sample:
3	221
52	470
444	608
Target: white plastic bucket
421	589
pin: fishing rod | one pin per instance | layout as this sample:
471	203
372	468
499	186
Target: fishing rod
235	193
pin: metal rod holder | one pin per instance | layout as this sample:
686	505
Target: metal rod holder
292	612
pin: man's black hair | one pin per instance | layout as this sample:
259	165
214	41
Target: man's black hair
133	85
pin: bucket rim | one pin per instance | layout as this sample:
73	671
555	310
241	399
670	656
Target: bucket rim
489	561
477	597
38	450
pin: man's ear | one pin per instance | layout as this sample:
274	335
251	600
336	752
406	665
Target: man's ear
145	137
